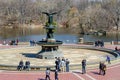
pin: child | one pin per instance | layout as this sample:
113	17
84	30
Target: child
47	74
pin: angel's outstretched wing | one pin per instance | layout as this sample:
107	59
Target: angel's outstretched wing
53	13
46	13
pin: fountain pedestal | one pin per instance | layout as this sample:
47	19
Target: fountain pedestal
50	49
50	46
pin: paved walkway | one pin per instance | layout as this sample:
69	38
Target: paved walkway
111	74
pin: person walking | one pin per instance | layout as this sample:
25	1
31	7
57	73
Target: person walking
108	59
100	68
83	66
67	65
47	74
104	69
56	74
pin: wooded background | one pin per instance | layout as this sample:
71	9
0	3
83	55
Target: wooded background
81	15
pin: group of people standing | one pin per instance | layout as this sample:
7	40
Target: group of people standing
99	43
32	43
62	64
14	42
21	65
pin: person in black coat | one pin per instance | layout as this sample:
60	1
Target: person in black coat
21	65
27	65
100	68
56	64
104	69
83	66
56	74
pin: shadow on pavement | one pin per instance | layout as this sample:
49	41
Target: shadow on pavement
77	72
30	55
41	79
95	73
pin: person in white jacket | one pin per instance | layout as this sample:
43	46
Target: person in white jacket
62	64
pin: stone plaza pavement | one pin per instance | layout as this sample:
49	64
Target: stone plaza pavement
112	72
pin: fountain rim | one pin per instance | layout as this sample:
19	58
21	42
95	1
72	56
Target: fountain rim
113	52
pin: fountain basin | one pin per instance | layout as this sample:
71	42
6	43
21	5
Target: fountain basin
57	42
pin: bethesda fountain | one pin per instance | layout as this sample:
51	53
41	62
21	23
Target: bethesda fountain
49	45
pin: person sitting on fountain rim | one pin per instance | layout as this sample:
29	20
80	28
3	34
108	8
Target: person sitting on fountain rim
21	65
27	65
